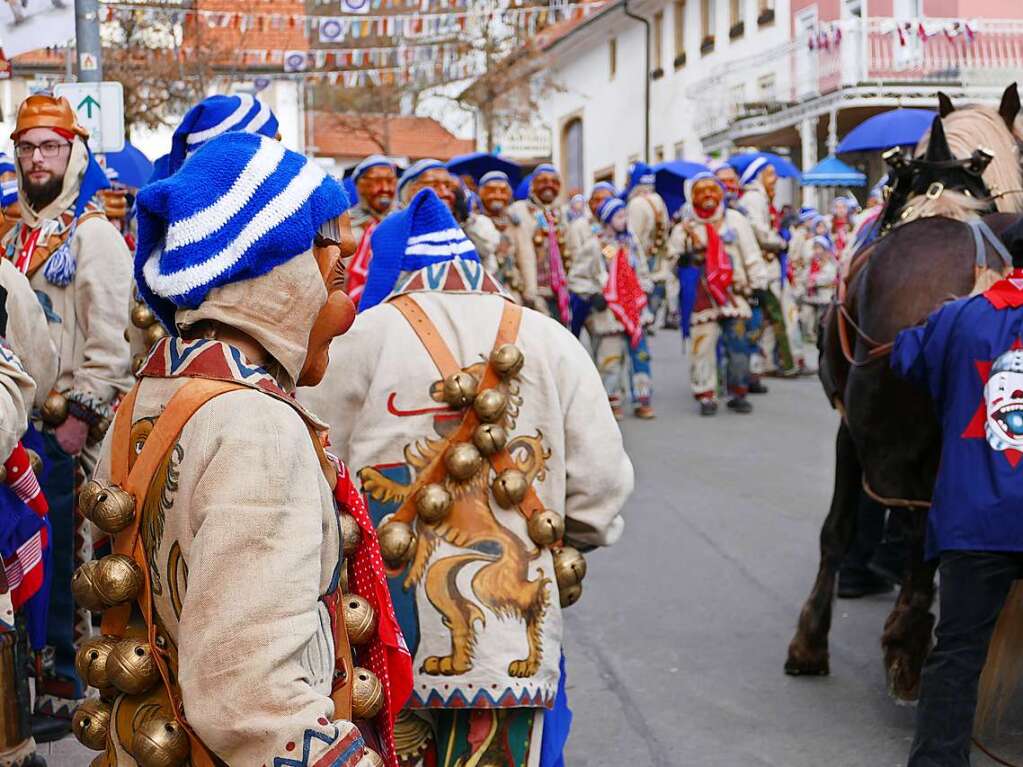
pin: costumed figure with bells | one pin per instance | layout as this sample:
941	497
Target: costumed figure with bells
489	456
376	184
245	617
541	245
611	276
650	224
821	281
584	279
722	268
495	194
80	266
25	532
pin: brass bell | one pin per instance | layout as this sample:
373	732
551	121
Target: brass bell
91	723
433	503
489	438
569	595
131	666
463	461
510	488
160	742
118	579
507	360
490	405
360	619
35	462
142	316
99	430
87	497
460	389
397	543
367	694
91	660
569	567
545	528
137	362
54	410
83	587
154	333
371	758
113	510
351	534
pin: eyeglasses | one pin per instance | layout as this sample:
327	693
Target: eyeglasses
48	149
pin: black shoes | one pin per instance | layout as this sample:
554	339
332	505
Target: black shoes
708	407
757	387
740	405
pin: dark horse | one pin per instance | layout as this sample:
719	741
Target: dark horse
888	443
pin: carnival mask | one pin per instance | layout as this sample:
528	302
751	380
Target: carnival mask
338	312
440	181
597	199
495	196
1003	395
769	178
546	187
620	220
729	179
707	196
377	187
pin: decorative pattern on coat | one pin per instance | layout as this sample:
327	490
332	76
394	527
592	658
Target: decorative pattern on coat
503	583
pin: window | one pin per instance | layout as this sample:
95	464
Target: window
572	153
604	174
679	18
612	58
658	45
680	150
659	154
767	88
707	25
736	26
765	12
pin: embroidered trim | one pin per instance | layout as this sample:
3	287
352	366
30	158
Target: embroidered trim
86	407
455	276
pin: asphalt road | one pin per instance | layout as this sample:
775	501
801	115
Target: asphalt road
675	652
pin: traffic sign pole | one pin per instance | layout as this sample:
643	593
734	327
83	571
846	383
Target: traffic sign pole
90	55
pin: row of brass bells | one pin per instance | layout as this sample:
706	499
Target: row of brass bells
507	360
397	543
154	333
111	509
460	389
546	528
490	405
54	410
91	723
510	487
160	741
142	316
131	667
569	571
433	503
360	619
351	534
91	661
489	438
367	694
101	584
463	461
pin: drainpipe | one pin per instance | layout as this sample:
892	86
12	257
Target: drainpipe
646	80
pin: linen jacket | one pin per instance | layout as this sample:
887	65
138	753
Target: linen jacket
758	211
27	332
379	397
589	276
646	211
525	212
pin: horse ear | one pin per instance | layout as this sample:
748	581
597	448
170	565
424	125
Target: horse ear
1010	106
945	105
937	146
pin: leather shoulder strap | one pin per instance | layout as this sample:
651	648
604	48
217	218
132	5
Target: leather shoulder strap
428	335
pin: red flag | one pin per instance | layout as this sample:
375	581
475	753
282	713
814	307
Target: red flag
625	298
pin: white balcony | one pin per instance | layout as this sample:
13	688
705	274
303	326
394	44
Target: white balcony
869	65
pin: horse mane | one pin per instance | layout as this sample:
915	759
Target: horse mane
969	128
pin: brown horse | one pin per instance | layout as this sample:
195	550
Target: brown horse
888	443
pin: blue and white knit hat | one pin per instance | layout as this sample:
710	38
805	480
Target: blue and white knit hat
241	206
7	164
8	189
494	177
753	170
216	115
609	207
546	167
424	233
373	161
808	214
416	170
606	186
824	242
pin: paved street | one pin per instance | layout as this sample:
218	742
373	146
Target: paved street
675	652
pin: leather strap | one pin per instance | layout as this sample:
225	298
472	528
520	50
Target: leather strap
444	360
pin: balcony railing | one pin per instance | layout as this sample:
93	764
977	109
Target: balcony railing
857	53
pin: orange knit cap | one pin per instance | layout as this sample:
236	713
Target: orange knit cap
44	111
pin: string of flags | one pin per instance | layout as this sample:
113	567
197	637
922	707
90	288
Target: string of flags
829	36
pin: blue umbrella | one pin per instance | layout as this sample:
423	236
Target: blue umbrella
784	168
522	190
833	172
670	181
478	163
898	127
133	168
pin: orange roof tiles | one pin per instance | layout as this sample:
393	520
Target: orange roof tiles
356	136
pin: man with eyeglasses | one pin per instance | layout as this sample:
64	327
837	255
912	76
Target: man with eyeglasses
80	268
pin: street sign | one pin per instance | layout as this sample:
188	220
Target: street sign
100	109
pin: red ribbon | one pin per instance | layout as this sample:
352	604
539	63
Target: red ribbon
359	268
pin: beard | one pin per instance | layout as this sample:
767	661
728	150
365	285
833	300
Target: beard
494	206
41	195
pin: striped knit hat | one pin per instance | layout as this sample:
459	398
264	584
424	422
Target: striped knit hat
609	207
216	115
241	206
373	161
424	233
753	171
494	177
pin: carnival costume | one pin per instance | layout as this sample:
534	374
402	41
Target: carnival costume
484	444
776	338
229	635
545	258
363	220
650	224
821	281
727	270
25	533
611	274
506	264
79	264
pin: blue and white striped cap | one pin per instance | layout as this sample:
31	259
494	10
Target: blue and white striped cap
609	207
241	206
423	234
606	186
493	177
6	164
373	161
416	170
8	192
753	170
216	115
546	167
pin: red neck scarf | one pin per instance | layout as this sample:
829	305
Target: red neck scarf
358	270
717	263
1007	293
625	298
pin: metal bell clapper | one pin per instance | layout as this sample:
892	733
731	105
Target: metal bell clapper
433	503
510	488
490	405
546	527
507	360
489	438
460	389
463	461
397	543
569	567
